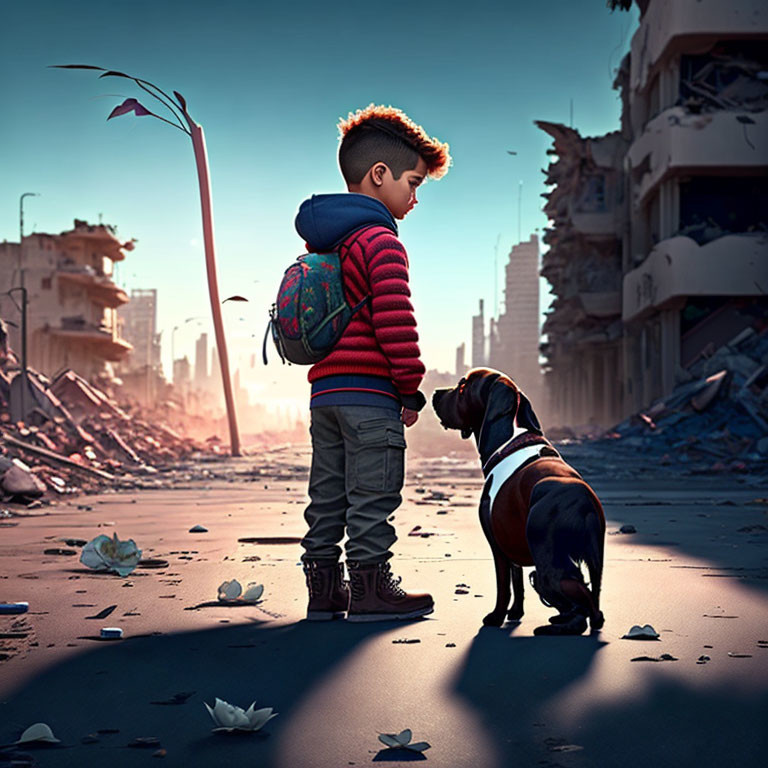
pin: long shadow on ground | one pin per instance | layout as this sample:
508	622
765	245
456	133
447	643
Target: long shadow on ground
506	679
113	685
510	682
673	724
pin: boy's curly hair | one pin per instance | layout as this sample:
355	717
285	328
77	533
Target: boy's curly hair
386	134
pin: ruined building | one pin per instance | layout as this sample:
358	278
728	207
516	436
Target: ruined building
479	357
583	266
694	92
514	343
139	318
659	238
72	317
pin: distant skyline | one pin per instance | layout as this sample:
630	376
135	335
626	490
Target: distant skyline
268	85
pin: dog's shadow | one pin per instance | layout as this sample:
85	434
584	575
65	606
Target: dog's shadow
507	679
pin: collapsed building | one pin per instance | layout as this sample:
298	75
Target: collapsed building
72	299
659	240
583	266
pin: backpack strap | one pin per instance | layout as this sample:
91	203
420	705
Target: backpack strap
368	299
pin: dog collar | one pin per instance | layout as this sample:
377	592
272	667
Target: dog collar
521	439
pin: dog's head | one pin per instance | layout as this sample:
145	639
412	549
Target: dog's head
483	395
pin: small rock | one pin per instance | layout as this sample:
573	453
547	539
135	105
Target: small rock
145	741
198	529
159	753
90	738
703	659
450	645
735	655
406	640
627	529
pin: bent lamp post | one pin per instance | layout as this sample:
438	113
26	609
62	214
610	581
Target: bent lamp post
178	109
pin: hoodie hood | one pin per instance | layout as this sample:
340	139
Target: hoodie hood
324	221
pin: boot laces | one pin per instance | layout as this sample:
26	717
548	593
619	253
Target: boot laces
314	579
391	583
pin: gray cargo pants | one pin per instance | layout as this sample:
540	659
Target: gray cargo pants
358	463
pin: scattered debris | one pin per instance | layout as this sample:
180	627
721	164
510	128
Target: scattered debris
177	698
406	640
734	655
627	529
716	420
198	529
663	657
143	742
703	659
229	718
105	554
270	540
402	740
636	632
13	608
111	633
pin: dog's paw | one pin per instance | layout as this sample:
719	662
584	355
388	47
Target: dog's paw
493	619
575	626
515	613
596	622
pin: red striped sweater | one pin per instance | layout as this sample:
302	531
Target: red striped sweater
381	339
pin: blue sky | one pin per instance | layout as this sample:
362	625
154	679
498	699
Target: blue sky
268	82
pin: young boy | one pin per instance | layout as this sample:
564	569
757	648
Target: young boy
367	388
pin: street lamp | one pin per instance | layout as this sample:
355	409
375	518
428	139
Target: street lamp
24	374
21	232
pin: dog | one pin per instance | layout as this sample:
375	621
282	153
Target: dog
535	509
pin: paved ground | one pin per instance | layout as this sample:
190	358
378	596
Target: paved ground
696	570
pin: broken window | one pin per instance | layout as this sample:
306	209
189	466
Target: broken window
731	76
713	206
592	197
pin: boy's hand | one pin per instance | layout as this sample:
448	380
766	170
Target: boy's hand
409	417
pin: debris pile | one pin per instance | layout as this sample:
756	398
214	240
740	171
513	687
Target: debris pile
77	439
717	420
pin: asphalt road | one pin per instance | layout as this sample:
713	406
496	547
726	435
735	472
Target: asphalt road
696	570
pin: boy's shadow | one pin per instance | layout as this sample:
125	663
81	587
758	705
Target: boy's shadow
507	679
131	684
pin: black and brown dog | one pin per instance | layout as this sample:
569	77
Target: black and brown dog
535	509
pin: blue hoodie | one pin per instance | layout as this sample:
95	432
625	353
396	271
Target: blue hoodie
324	221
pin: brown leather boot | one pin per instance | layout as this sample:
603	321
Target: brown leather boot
328	592
377	595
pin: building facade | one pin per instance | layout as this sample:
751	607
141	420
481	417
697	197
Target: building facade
139	318
583	266
72	319
515	337
659	231
695	107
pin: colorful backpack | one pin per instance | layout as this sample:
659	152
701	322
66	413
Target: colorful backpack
311	311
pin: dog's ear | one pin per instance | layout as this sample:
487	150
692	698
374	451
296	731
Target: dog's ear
501	400
525	417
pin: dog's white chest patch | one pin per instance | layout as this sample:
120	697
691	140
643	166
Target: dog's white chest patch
506	468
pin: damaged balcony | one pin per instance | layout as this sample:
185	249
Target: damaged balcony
732	265
676	142
99	289
100	339
669	26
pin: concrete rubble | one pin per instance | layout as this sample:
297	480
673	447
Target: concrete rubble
77	439
714	421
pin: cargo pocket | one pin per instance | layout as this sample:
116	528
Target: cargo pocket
380	461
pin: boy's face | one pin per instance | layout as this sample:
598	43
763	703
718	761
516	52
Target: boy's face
399	195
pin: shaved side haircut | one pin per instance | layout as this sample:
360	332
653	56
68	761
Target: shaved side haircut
379	134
